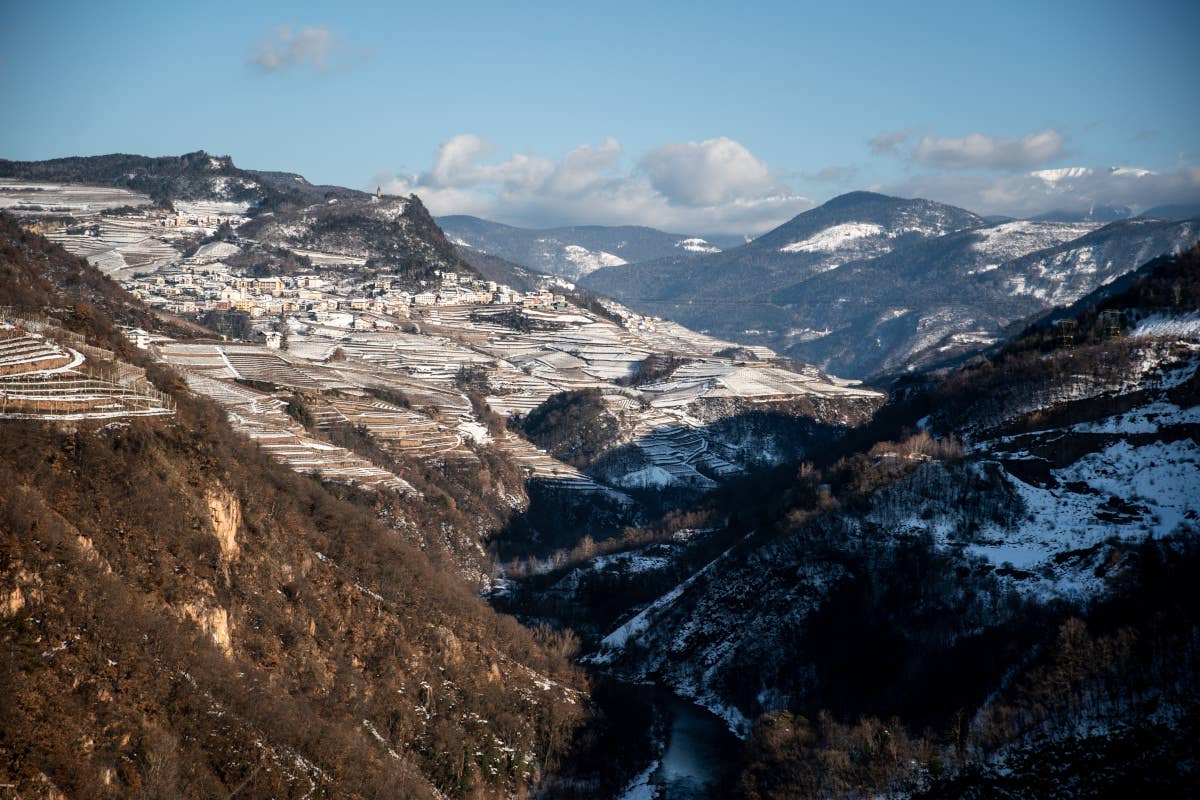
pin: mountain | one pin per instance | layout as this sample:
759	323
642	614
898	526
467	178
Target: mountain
297	185
572	252
960	291
1012	574
1091	214
192	176
394	234
874	284
848	228
1174	212
284	223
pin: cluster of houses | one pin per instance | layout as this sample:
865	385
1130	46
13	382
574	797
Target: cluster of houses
194	287
194	221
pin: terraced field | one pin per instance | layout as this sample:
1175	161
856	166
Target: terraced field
43	378
260	417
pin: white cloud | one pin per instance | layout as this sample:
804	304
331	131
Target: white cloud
705	173
311	45
973	151
978	150
715	186
1072	189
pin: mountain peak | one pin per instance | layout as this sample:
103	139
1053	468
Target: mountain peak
856	197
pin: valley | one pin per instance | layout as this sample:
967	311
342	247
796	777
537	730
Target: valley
401	456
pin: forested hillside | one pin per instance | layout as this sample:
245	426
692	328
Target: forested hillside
182	616
979	592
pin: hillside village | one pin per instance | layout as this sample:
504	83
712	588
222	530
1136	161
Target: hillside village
394	355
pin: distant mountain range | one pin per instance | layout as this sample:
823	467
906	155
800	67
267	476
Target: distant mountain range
876	284
573	252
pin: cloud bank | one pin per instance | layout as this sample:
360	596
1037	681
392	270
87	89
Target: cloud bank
973	151
1070	189
1000	175
710	186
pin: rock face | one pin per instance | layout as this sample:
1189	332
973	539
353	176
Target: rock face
226	514
214	622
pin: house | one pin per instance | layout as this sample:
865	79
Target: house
139	337
274	340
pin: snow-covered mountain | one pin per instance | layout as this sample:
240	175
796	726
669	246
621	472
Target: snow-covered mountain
1062	274
573	252
868	284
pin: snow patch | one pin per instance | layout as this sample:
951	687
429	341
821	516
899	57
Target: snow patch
834	238
696	245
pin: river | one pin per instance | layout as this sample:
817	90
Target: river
697	752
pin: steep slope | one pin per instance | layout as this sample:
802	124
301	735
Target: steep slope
1060	275
948	297
392	233
1177	213
500	270
572	252
182	616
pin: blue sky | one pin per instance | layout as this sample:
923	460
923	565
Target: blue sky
685	115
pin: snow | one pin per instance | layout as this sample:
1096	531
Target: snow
631	562
834	238
591	260
215	251
210	208
475	431
1185	326
1063	173
1159	481
696	245
641	787
1145	419
648	478
1136	172
1010	240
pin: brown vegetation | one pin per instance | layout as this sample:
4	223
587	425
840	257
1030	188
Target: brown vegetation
181	616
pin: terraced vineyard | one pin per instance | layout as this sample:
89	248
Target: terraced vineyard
260	417
41	377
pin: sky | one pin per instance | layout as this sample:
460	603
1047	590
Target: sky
692	117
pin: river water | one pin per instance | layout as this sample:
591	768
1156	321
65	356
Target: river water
698	751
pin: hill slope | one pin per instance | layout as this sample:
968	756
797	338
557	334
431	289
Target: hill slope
182	616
